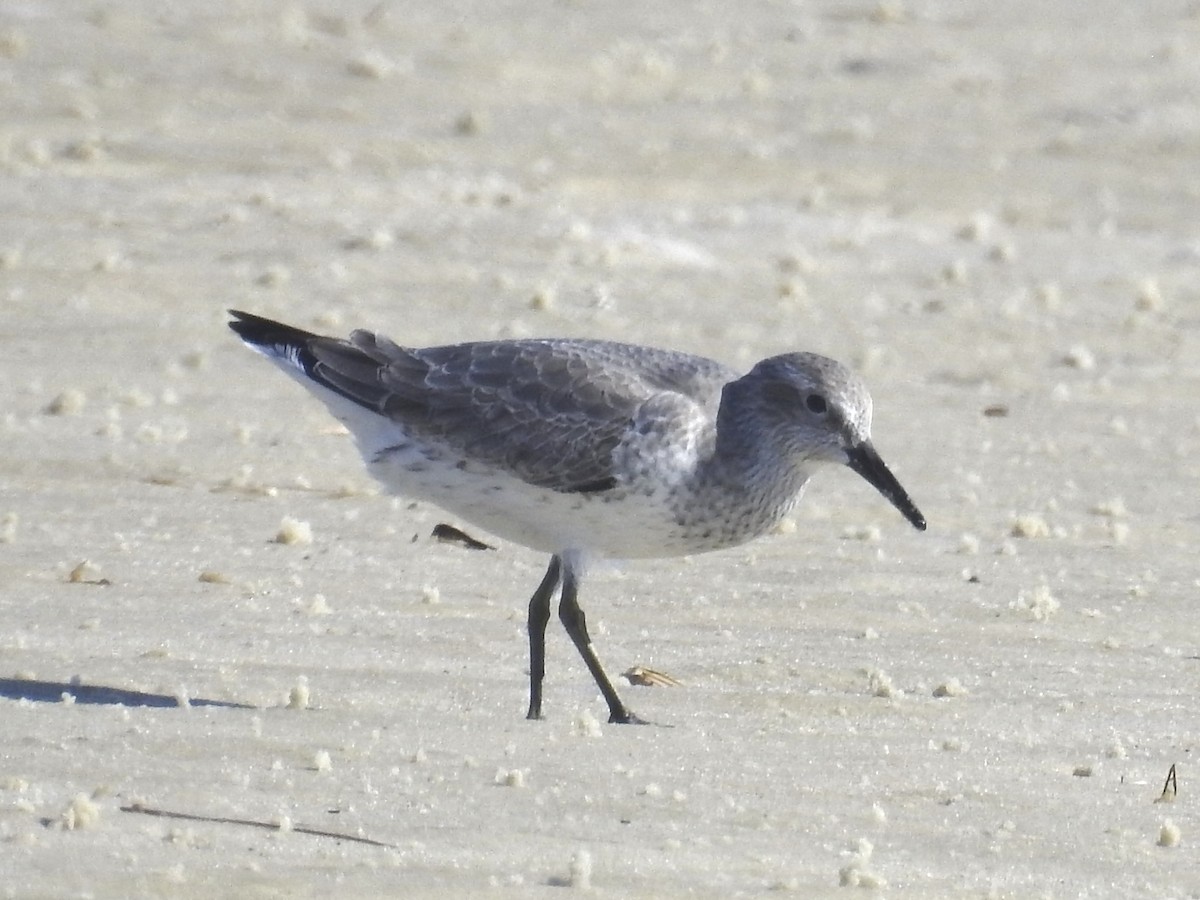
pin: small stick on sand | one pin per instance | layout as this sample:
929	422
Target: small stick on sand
252	823
1170	787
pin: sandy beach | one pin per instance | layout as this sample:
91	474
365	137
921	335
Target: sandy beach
210	611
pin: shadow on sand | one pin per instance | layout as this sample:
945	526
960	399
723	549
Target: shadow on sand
53	691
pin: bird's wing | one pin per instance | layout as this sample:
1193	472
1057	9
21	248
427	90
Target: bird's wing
550	412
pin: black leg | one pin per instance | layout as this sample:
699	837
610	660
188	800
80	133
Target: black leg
575	622
539	615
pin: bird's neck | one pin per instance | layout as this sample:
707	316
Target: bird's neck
750	483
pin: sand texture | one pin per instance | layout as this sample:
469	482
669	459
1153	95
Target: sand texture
207	608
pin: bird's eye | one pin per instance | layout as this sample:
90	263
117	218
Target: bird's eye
816	404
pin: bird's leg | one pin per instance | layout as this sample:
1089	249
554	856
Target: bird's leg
539	615
575	622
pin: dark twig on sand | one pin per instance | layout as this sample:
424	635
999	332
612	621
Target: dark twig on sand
252	823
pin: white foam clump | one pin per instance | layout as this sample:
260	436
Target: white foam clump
880	684
857	872
298	696
69	403
581	870
587	725
1080	357
510	778
294	531
1039	603
1113	509
951	687
1169	834
1030	526
374	66
8	527
80	813
319	606
1149	296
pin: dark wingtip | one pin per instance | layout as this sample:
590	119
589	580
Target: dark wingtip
248	326
265	332
241	318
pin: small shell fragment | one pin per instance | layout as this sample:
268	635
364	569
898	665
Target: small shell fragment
448	534
87	572
644	677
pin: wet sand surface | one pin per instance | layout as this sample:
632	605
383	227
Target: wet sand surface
208	608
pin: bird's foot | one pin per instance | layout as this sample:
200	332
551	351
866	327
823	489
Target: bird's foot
625	717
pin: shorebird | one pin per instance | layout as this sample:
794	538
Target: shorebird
582	448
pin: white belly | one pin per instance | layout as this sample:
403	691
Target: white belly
615	524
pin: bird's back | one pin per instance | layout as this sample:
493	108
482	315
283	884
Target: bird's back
550	412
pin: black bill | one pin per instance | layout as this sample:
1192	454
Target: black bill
866	462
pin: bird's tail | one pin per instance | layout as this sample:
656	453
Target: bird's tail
282	343
335	370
